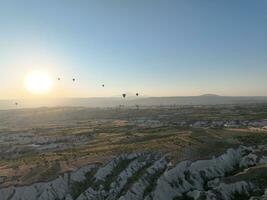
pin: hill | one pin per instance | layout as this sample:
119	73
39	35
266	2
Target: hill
208	99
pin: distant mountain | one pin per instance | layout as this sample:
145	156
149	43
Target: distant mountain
210	95
207	99
200	100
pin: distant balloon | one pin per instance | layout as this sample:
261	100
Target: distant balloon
16	103
103	85
73	79
124	95
58	79
137	94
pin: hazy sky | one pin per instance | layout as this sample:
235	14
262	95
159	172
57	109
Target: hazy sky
158	48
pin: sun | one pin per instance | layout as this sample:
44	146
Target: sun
38	82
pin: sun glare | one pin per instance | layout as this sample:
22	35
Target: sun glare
38	82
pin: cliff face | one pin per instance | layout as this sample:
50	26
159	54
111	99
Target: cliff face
238	173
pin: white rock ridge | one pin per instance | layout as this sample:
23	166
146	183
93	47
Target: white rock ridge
147	176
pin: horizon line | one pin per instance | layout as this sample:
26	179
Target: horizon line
132	96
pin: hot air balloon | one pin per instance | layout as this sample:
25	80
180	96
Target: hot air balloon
16	103
58	79
124	95
103	85
137	94
73	79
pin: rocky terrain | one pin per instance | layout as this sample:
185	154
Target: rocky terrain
239	173
197	152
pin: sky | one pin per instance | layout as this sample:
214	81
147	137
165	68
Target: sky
154	47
